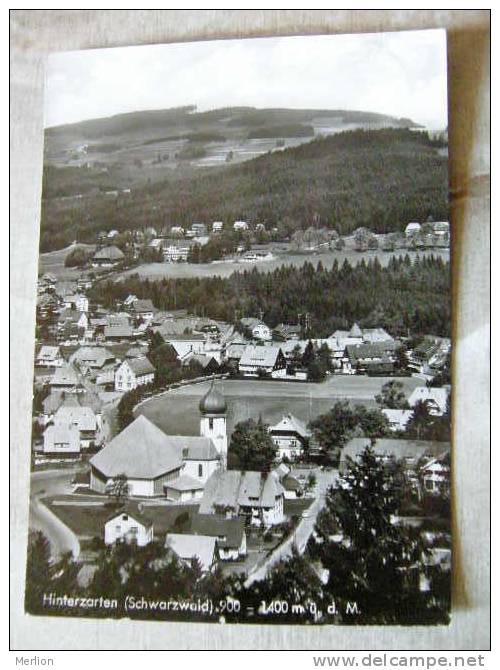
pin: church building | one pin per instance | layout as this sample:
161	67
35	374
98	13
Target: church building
156	464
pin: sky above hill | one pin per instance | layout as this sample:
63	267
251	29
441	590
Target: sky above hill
399	73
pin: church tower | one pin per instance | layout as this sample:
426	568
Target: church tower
213	410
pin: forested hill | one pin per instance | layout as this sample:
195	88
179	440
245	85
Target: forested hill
381	179
403	297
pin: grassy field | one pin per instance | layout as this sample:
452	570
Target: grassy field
176	412
156	271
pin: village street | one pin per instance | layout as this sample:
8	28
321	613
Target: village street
46	483
300	536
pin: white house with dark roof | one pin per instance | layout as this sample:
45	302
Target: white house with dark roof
256	360
129	525
413	228
290	435
132	373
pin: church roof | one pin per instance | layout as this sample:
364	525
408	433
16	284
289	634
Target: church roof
141	451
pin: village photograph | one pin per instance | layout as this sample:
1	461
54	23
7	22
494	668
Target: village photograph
242	375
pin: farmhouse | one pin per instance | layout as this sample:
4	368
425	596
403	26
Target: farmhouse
290	435
256	496
262	360
133	373
92	357
49	357
107	257
65	378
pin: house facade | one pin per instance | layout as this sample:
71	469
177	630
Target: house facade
262	360
124	526
290	435
133	373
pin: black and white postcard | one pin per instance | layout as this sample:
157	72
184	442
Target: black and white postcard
241	392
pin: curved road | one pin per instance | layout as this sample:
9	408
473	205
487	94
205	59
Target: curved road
46	483
299	538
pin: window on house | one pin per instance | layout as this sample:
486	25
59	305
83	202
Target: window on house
211	424
125	517
200	470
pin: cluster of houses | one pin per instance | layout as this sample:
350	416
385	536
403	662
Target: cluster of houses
193	469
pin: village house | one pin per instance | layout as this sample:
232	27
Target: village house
287	332
229	533
108	257
436	399
193	343
290	435
129	525
70	416
209	364
217	226
72	324
373	357
256	329
240	225
176	253
429	355
92	357
412	229
386	449
66	378
132	373
256	496
62	440
435	475
49	357
397	418
143	309
199	229
78	302
262	360
193	549
119	332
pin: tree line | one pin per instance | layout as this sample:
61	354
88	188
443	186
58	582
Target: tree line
404	297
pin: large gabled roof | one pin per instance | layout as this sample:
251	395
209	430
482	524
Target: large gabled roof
141	451
109	253
290	424
259	356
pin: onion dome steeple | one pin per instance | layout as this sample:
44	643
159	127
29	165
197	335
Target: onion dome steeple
213	402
